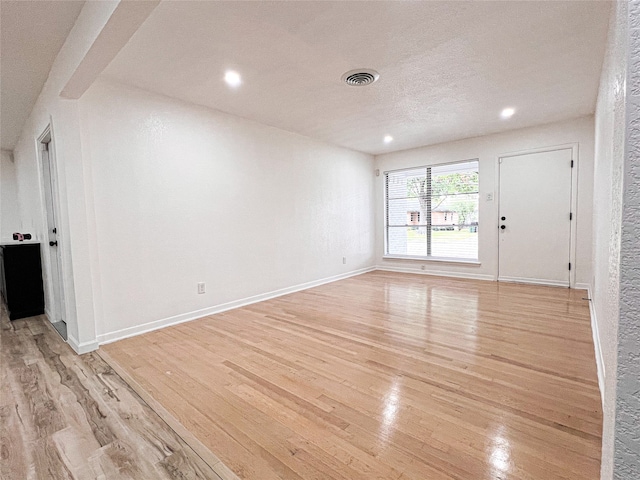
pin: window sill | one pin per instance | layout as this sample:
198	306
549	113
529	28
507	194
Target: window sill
433	259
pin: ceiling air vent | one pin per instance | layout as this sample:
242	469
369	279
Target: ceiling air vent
360	77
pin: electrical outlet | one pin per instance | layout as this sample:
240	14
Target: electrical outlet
344	260
201	288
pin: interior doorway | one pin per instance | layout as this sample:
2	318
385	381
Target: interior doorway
536	217
52	249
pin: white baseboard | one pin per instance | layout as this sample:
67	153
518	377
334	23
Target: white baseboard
581	286
534	281
81	348
597	346
186	317
473	276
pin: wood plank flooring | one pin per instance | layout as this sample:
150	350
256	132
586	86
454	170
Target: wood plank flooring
64	416
386	376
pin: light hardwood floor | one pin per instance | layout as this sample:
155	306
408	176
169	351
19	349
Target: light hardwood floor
386	376
64	416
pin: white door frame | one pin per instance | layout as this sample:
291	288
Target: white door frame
574	201
47	137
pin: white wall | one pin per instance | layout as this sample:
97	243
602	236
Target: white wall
75	234
607	201
184	194
627	422
487	149
9	209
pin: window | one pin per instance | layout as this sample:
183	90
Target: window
432	212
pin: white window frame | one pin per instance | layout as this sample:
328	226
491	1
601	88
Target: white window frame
426	258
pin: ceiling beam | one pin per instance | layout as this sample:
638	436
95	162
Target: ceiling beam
123	23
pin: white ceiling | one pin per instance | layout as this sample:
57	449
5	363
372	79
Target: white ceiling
32	34
446	68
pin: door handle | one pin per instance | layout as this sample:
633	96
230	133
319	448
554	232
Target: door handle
53	244
503	227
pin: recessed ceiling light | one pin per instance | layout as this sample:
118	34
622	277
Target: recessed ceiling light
508	112
388	139
232	78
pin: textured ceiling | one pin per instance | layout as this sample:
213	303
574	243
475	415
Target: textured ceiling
446	68
32	34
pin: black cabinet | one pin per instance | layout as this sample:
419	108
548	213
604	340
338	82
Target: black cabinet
22	279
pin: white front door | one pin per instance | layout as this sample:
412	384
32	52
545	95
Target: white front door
535	217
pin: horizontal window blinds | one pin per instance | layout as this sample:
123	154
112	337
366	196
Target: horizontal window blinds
433	211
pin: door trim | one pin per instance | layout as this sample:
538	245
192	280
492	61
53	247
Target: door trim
47	137
575	156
